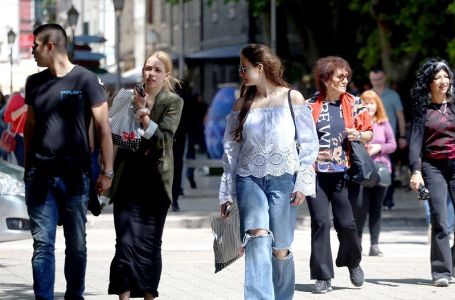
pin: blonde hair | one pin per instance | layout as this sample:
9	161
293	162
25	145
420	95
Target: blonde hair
166	60
371	96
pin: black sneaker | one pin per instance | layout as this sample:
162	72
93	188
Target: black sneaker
322	287
356	275
175	207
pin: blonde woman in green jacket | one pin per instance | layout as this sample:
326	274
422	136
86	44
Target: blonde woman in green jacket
142	185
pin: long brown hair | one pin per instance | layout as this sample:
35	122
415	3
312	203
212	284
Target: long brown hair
273	70
371	96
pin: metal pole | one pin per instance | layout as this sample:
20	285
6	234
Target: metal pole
117	50
11	71
273	25
181	19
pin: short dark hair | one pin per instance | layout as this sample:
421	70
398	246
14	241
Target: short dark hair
377	69
53	33
325	67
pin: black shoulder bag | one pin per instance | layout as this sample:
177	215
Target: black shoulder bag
297	145
363	170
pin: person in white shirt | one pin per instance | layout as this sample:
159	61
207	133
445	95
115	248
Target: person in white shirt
268	170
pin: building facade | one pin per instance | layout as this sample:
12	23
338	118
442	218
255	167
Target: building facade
211	35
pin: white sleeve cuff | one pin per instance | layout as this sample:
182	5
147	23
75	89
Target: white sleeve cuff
150	130
305	182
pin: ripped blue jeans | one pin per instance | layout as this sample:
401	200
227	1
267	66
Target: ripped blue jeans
265	203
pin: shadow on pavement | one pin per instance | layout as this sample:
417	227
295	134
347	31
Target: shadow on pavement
400	281
309	287
14	291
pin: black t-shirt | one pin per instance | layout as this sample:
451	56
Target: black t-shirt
62	109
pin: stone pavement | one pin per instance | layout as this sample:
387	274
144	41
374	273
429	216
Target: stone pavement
403	272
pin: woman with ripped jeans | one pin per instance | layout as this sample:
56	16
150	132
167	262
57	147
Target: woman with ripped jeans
266	172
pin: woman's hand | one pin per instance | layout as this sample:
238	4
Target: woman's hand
373	149
416	181
139	102
297	199
353	134
225	209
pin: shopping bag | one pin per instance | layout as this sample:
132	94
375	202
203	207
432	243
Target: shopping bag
226	243
126	128
8	140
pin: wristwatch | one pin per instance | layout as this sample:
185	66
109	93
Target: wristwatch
108	174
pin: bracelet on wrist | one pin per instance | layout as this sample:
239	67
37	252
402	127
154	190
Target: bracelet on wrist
359	136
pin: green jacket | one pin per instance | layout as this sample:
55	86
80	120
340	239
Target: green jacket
148	172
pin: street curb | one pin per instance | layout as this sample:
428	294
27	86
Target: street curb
197	222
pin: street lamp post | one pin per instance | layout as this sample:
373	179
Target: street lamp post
73	16
11	39
273	25
118	6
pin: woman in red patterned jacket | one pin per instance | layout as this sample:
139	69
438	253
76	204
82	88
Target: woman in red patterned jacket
340	118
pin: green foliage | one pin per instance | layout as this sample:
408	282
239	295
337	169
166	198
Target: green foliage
411	29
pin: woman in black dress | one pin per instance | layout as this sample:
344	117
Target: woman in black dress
141	190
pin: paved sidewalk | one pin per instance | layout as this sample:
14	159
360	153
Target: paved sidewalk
403	272
199	205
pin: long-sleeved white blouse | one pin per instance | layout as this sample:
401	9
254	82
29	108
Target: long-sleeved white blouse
268	148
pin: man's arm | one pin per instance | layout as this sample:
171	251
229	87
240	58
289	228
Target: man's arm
29	129
101	122
402	142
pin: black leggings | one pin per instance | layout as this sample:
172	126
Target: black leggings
370	204
439	177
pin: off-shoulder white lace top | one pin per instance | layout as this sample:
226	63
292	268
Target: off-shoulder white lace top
268	148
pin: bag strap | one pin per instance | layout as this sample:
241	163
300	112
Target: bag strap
10	125
19	124
293	120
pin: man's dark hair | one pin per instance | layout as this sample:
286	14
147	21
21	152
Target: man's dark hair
377	69
53	33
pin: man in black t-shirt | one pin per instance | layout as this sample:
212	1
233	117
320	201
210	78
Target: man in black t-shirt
62	100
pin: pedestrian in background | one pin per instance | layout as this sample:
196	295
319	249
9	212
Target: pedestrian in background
263	168
340	118
379	148
394	109
432	157
142	189
61	101
16	114
197	110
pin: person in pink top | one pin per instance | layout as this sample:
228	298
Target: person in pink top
16	114
379	148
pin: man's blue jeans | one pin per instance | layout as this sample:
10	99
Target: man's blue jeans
59	207
265	203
